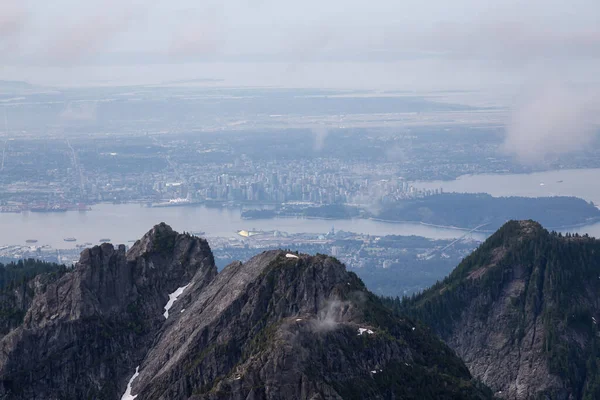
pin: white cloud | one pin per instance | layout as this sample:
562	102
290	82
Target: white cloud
552	120
13	18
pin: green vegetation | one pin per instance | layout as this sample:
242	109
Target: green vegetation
418	382
471	210
561	277
13	278
164	239
17	273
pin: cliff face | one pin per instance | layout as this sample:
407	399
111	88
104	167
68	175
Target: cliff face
279	326
84	331
296	327
521	311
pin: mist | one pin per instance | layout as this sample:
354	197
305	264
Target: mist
550	121
320	133
13	17
425	44
330	315
81	111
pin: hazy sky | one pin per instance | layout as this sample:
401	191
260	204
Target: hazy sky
409	41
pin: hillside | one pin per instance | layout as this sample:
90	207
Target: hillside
282	325
522	312
467	210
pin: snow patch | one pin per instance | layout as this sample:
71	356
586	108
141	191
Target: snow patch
127	395
363	330
172	298
290	255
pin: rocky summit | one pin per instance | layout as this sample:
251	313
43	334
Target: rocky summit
522	311
159	322
83	330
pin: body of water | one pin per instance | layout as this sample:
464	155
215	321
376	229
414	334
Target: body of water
123	223
581	183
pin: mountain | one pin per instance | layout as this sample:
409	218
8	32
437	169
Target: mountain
159	322
83	330
522	312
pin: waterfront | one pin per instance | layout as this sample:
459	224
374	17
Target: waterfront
125	222
568	182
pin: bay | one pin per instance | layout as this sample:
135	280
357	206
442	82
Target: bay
123	223
581	183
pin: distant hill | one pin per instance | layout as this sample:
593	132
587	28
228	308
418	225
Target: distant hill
522	311
14	85
467	210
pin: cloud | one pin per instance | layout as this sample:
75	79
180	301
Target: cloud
330	315
13	18
89	34
552	120
507	41
320	133
80	111
195	40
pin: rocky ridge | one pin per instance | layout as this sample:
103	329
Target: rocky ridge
85	330
282	325
522	312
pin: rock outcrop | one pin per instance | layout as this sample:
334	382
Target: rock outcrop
86	330
296	327
522	312
282	325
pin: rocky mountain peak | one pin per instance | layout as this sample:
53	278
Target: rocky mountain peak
289	325
87	328
159	322
522	312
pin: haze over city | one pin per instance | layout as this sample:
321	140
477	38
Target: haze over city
304	200
417	44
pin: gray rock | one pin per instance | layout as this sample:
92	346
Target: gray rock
279	326
84	333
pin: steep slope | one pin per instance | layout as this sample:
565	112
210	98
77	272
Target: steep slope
281	325
84	331
522	313
287	326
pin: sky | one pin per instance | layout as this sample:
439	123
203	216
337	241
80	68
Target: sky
416	43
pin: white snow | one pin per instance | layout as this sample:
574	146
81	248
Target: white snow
183	310
290	255
172	298
363	330
127	395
